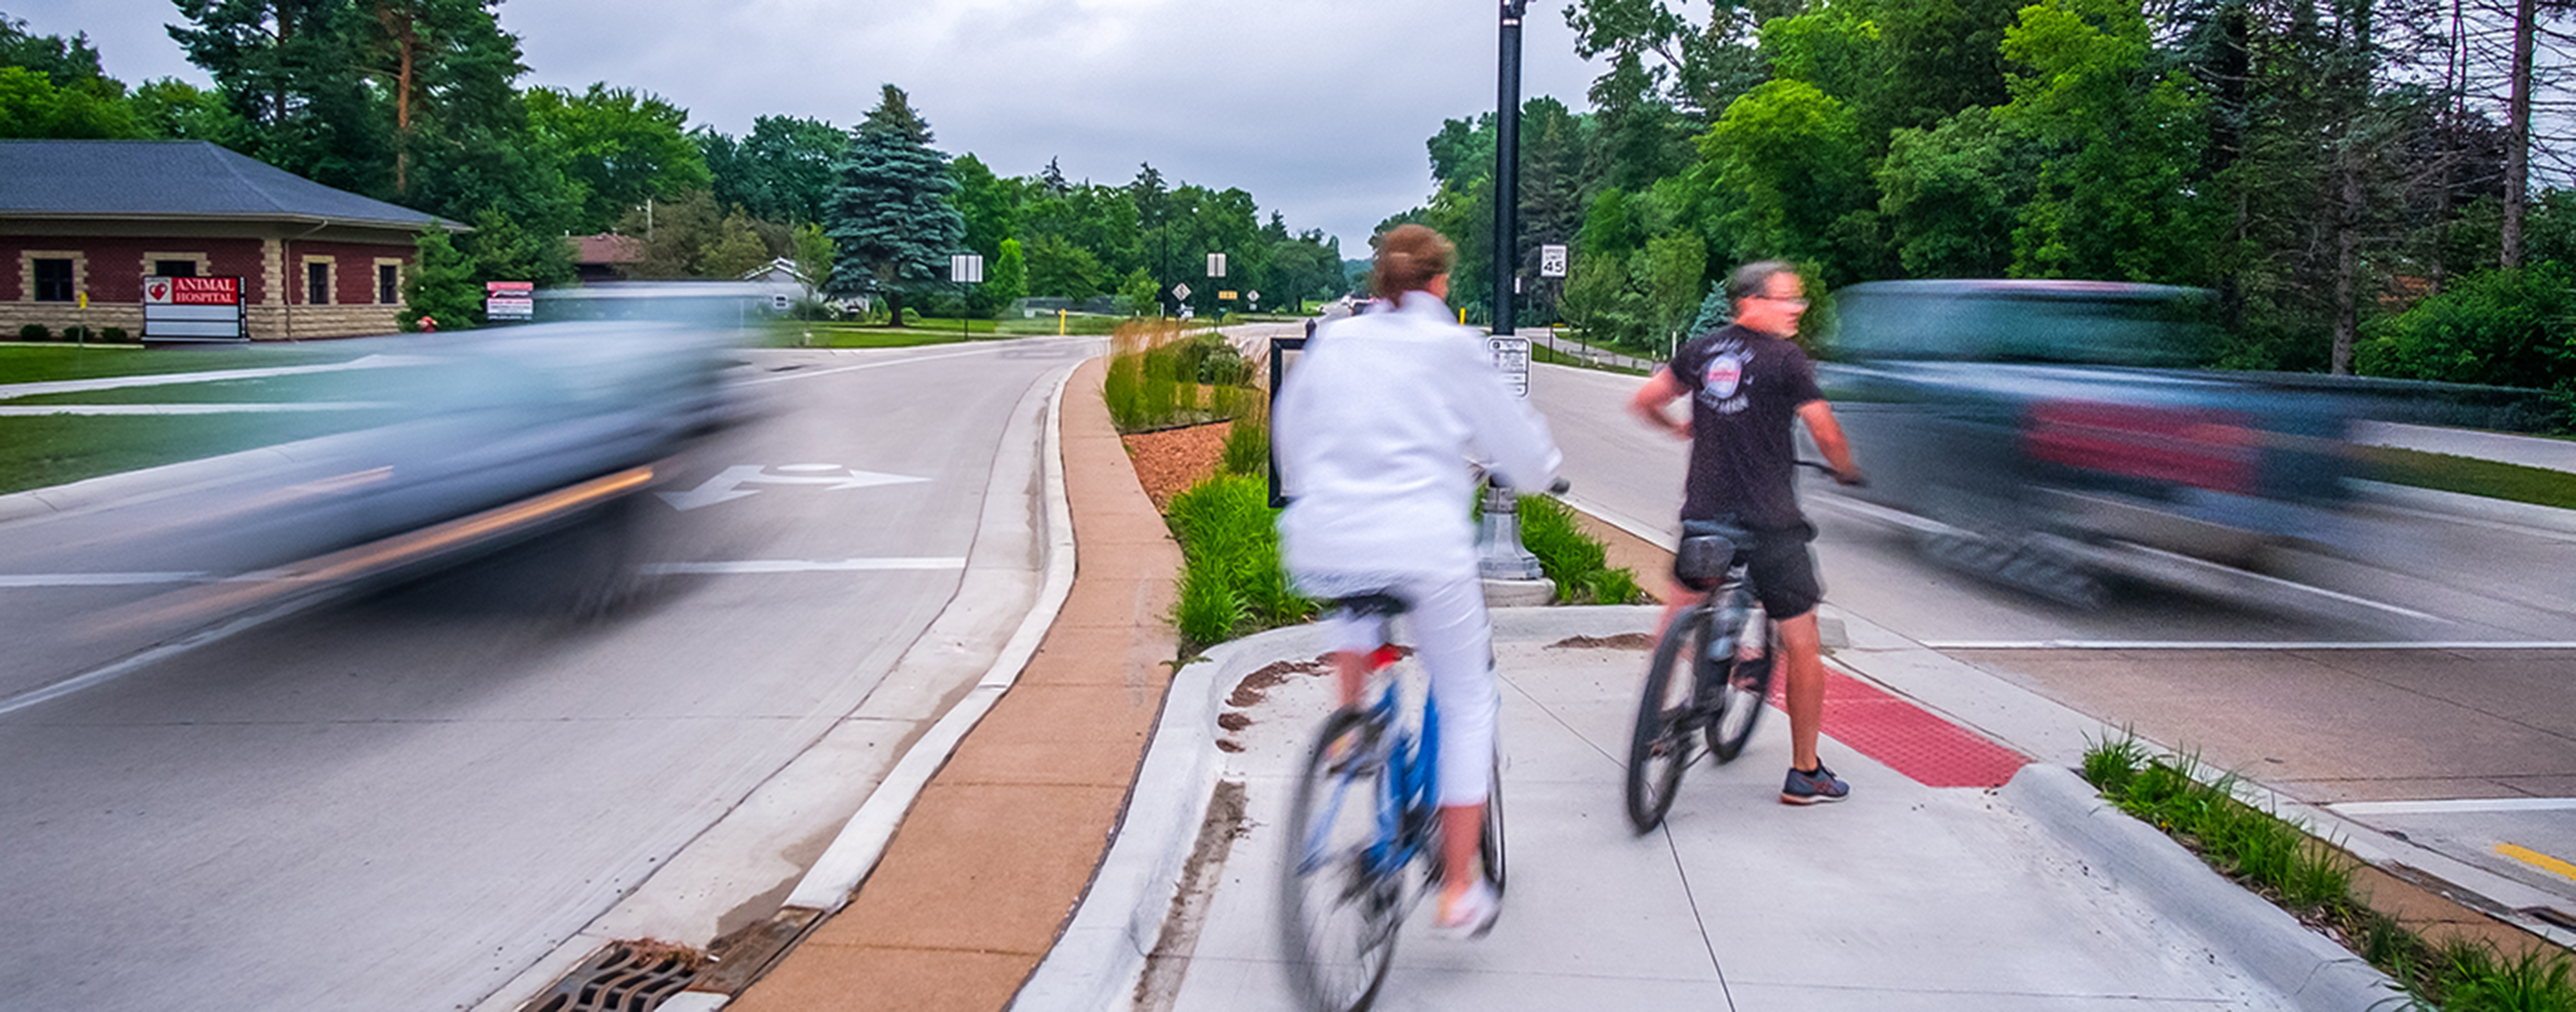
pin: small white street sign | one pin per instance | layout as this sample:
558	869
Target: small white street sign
966	268
1216	265
1181	291
1512	359
1551	261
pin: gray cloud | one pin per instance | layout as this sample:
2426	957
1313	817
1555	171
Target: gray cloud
1318	108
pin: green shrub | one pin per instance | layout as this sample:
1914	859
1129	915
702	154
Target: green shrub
76	334
1123	389
1247	445
1232	583
1578	562
112	335
34	332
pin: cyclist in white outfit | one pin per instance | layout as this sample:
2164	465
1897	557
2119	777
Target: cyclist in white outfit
1375	428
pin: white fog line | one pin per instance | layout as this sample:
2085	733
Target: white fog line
802	566
102	675
2242	645
10	390
97	579
42	410
2454	806
987	349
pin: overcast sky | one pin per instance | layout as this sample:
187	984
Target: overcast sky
1318	108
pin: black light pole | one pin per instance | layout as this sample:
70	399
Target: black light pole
1499	555
1507	166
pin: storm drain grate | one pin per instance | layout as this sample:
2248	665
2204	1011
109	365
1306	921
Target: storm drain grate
624	977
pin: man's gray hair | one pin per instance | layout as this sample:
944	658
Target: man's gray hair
1755	278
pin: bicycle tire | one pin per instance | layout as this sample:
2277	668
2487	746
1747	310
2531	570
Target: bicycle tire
1659	746
1490	850
1741	700
1338	916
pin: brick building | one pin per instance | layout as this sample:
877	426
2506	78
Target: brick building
96	217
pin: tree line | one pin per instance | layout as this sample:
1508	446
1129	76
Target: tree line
417	102
2367	185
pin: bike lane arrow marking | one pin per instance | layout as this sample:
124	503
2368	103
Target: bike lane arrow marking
726	486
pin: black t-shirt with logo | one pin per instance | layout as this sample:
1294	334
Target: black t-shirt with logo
1746	388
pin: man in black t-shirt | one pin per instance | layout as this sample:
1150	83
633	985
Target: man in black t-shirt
1747	383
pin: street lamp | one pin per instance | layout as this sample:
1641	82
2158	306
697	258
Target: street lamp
1499	555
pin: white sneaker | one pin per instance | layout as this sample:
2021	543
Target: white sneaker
1469	916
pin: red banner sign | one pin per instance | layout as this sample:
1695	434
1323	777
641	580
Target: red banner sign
192	291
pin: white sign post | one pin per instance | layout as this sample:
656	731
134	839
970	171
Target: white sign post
1551	261
1512	359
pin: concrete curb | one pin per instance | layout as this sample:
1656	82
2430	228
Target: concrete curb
862	841
2274	948
2473	507
1101	956
154	482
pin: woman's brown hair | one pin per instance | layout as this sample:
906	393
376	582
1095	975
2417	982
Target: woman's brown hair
1408	257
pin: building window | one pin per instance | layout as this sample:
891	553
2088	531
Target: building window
174	268
388	284
53	281
317	283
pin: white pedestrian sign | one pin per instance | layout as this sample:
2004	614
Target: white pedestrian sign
727	486
1181	291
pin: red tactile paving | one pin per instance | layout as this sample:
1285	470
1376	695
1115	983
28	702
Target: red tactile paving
1907	738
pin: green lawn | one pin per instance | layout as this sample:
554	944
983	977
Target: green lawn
2468	476
59	449
43	363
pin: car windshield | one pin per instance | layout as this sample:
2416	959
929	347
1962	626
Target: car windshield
2147	328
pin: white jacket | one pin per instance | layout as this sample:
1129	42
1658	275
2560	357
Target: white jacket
1375	425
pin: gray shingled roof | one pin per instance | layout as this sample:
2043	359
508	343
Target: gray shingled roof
166	179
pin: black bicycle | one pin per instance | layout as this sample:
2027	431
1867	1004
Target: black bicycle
1711	673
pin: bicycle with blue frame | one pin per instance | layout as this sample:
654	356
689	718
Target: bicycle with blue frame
1364	830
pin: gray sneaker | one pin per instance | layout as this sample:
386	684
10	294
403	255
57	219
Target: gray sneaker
1809	787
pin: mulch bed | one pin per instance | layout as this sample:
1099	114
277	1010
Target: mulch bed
1170	461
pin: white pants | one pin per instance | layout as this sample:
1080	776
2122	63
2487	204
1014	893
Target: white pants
1456	647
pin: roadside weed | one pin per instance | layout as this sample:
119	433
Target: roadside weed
2313	879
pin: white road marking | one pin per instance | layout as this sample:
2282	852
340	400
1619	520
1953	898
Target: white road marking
97	579
2455	806
2245	645
803	566
723	487
42	410
169	378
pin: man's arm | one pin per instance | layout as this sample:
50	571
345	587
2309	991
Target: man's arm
1660	390
1828	433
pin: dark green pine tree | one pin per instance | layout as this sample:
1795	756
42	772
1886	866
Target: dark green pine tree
291	70
891	219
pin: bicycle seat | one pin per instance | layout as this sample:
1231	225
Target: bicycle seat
1380	603
1709	549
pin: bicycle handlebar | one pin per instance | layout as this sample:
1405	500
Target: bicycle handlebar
1854	481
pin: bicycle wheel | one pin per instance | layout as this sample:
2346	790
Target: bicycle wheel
1342	898
1661	744
1741	700
1491	850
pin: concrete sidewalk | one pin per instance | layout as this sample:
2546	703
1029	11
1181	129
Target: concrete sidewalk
1926	890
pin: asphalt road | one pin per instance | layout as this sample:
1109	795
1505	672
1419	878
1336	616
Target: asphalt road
2431	730
408	799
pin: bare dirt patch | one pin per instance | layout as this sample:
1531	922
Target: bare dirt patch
1256	686
1170	461
1623	641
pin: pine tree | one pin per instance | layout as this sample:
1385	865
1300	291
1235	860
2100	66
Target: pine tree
891	221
